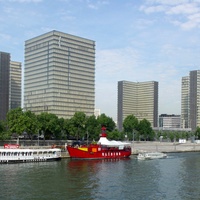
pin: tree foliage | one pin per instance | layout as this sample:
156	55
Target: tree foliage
14	118
197	133
145	130
78	125
106	121
92	128
130	124
4	133
82	127
49	125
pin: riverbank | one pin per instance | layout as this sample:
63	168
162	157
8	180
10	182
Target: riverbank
165	147
142	146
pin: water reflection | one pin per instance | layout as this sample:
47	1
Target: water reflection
190	176
176	177
93	178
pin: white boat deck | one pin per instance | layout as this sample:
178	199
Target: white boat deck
28	155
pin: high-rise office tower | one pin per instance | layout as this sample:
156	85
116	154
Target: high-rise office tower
15	85
4	84
139	99
59	74
190	100
185	102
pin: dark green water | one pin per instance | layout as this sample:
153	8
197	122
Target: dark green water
177	177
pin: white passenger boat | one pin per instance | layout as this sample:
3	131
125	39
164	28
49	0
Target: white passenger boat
151	155
14	155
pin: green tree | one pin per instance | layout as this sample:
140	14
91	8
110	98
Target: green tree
67	128
145	130
49	125
106	121
4	133
60	134
197	133
2	126
115	135
13	119
130	126
171	136
92	128
29	123
78	125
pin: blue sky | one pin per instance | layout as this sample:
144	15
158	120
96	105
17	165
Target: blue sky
136	40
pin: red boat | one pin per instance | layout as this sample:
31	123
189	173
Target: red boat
102	150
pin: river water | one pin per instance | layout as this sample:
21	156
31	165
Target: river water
176	177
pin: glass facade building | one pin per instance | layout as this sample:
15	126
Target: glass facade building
15	85
59	74
139	99
4	84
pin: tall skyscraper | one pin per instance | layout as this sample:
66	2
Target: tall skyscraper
185	102
59	74
4	84
190	100
15	85
139	99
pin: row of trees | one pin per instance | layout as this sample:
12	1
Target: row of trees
79	126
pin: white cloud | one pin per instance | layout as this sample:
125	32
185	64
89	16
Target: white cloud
186	11
153	9
191	23
96	4
24	1
167	2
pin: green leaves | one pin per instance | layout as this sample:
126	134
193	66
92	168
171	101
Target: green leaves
130	123
19	122
141	129
49	125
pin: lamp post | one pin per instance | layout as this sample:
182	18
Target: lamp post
38	139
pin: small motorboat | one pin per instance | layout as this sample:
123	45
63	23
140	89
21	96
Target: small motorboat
151	155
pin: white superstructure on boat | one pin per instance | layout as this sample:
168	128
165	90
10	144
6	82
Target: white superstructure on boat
151	155
29	155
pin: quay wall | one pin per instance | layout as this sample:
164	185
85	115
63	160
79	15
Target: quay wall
137	147
165	147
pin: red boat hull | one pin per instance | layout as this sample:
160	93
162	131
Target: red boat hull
98	152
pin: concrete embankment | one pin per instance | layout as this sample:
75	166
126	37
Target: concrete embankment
65	154
137	147
166	147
